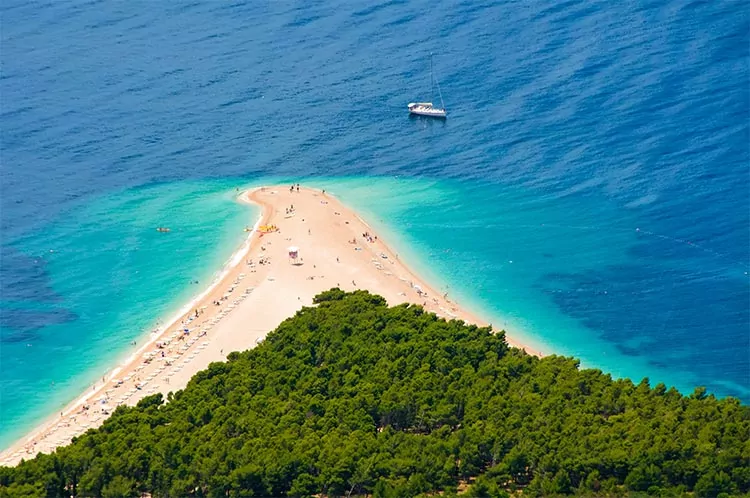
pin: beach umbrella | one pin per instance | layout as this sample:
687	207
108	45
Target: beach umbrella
293	252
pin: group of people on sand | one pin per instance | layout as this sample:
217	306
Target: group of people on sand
291	189
91	412
290	209
369	238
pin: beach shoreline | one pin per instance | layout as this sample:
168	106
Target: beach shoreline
514	335
261	286
146	340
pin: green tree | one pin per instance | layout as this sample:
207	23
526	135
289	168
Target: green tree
351	396
713	484
119	487
643	477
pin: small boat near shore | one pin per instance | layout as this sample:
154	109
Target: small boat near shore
427	108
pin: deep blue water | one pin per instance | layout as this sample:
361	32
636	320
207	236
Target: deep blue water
590	188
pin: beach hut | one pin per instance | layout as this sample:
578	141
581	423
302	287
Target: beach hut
293	254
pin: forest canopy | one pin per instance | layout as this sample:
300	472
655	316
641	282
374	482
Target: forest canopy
351	397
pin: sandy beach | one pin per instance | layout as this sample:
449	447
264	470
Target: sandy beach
261	287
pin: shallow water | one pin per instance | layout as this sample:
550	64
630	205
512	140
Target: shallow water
589	188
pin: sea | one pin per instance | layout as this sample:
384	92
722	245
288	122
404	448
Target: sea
589	191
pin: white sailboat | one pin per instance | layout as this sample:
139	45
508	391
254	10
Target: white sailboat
427	108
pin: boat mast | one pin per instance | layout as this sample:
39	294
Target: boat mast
434	81
442	104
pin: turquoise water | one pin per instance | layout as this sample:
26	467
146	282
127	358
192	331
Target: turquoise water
589	188
109	277
112	276
514	266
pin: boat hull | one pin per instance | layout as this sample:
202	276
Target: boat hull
427	110
442	115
